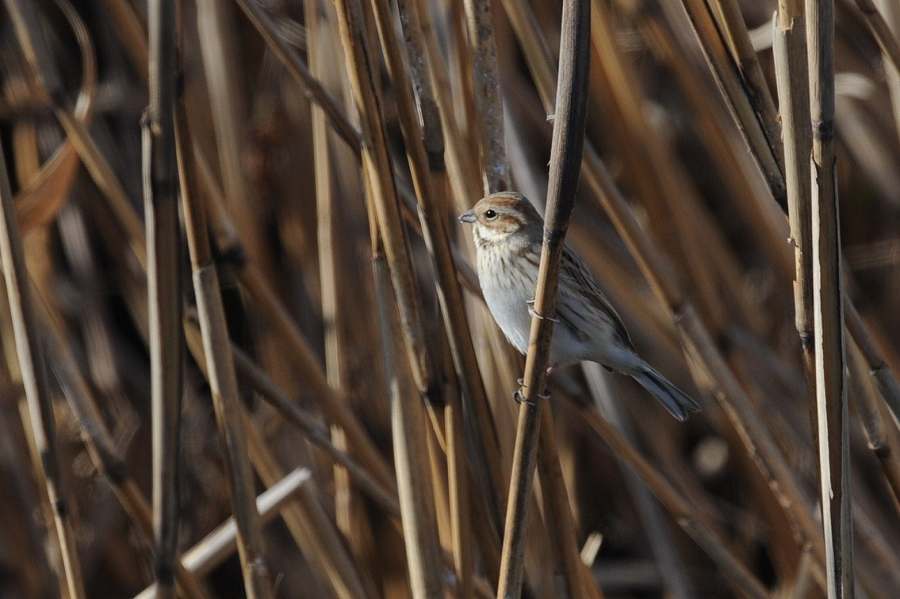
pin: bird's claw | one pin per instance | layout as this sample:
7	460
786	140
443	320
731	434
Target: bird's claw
533	313
519	397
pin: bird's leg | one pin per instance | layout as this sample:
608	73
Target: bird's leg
532	312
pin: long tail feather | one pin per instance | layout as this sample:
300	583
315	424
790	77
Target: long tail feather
677	402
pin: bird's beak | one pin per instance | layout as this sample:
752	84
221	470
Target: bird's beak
468	217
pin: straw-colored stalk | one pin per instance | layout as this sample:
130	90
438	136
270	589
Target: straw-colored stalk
360	56
218	45
425	154
828	310
881	31
565	165
331	401
312	529
747	63
32	370
789	48
414	484
222	378
213	549
736	97
408	426
164	291
348	512
488	100
311	87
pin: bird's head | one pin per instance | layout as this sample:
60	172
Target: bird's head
501	215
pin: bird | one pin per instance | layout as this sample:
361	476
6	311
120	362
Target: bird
508	235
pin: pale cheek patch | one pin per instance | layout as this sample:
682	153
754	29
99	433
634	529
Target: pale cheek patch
491	235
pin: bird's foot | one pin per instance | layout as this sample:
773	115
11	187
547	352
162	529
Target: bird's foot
534	313
520	397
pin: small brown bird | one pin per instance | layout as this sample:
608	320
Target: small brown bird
508	233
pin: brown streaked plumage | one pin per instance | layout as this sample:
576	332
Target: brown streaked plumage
508	233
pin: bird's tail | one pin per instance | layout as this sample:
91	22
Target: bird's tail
677	402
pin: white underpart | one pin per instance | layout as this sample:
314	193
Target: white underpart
507	296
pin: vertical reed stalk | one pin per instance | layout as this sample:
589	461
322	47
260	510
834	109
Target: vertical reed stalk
347	511
360	58
488	100
416	496
426	165
215	21
828	310
222	378
565	165
792	80
32	369
408	426
164	291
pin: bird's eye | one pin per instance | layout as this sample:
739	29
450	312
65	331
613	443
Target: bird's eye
490	214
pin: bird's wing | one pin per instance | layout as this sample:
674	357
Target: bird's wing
574	277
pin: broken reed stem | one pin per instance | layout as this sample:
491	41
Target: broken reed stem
882	33
733	570
488	99
164	290
314	533
828	312
215	547
32	370
222	377
565	165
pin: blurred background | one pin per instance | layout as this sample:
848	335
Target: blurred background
683	180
